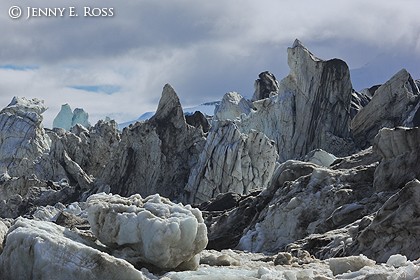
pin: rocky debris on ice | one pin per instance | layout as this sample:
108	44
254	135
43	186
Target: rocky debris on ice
230	265
300	205
67	118
225	227
152	230
320	157
70	216
41	250
265	86
346	264
394	229
222	202
391	229
398	147
311	110
19	195
232	106
391	106
363	157
155	156
231	162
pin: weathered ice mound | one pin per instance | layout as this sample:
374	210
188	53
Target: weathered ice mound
44	250
66	119
152	230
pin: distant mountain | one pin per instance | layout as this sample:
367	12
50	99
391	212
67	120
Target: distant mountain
381	68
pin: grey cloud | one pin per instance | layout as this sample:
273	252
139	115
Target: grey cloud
203	48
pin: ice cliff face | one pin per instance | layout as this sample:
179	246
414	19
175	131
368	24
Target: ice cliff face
231	162
22	137
311	109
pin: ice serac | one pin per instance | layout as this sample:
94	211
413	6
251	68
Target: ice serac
398	147
64	117
265	86
359	100
232	106
198	120
311	110
231	162
80	116
42	250
67	118
391	106
155	156
22	137
152	230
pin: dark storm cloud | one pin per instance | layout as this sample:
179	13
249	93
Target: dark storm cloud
147	25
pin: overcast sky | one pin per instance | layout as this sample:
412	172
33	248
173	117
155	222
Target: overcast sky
117	66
